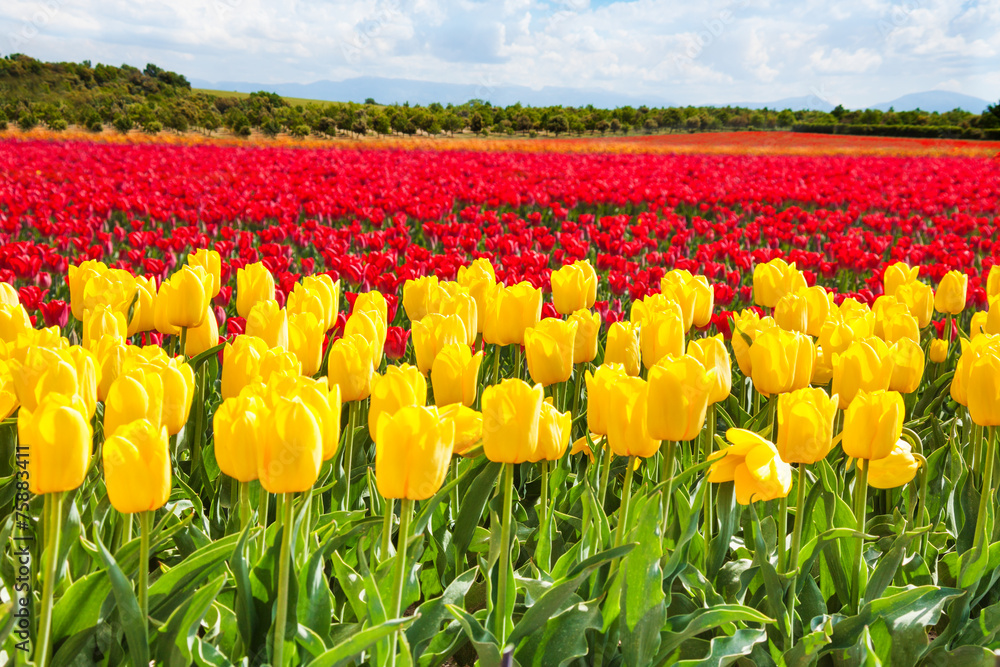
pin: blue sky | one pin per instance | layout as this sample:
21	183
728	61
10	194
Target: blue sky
855	52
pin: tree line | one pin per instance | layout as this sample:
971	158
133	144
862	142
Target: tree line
152	100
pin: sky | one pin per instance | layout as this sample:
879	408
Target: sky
851	52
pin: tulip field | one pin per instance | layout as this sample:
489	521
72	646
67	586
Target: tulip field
388	405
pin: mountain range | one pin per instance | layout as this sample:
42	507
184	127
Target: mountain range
390	90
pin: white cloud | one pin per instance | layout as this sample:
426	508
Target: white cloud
840	61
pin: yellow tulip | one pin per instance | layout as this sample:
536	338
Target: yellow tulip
324	403
178	387
161	311
190	297
14	321
58	438
114	289
350	367
649	305
588	328
622	347
455	375
792	312
432	334
746	325
820	303
8	397
203	337
277	363
305	341
100	323
992	321
919	298
553	433
950	297
971	351
399	387
993	281
873	424
468	425
899	324
781	361
135	394
897	275
628	410
144	312
679	389
549	348
978	324
46	372
237	428
908	366
866	366
480	279
773	280
463	305
412	452
660	334
372	301
599	385
9	295
511	413
49	338
254	283
137	467
896	469
421	296
290	452
511	311
805	425
241	363
574	287
753	465
269	323
211	263
318	288
694	294
711	352
938	350
78	276
984	389
368	324
858	316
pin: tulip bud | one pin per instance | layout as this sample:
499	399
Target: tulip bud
623	348
660	334
978	324
412	451
746	326
189	298
318	295
679	388
468	425
628	410
805	425
897	275
399	387
178	387
455	375
781	361
368	325
291	449
574	287
711	352
599	385
872	424
374	302
908	366
464	306
960	383
137	467
237	428
792	312
866	366
511	311
161	311
434	333
58	438
511	413
753	464
950	297
773	280
211	263
78	276
938	350
549	348
588	329
350	367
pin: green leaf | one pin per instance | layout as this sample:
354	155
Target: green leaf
7	621
128	607
431	614
79	607
352	584
314	608
246	614
726	650
473	504
642	597
485	643
562	639
346	651
807	649
175	639
887	566
177	583
679	628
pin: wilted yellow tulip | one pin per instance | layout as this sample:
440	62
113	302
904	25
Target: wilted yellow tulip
694	294
144	312
305	341
628	409
792	312
984	389
421	296
711	352
781	361
413	448
898	274
137	467
511	412
14	321
951	291
241	363
894	470
100	323
660	334
919	298
866	365
588	328
58	438
549	348
773	280
679	389
873	424
574	287
599	385
350	367
753	464
400	386
290	452
455	375
938	350
553	433
622	347
211	262
511	311
78	276
237	428
136	393
480	279
805	425
254	283
468	425
269	323
908	366
204	336
432	334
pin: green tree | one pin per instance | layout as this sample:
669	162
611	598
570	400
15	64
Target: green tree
558	124
476	123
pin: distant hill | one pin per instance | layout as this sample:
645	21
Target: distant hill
940	101
804	103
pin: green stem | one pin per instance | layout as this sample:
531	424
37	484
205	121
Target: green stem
284	561
262	507
576	390
184	337
454	489
501	607
708	504
606	457
623	512
793	557
145	530
352	420
390	505
986	496
782	531
52	515
405	510
860	504
543	502
496	364
126	529
244	505
666	473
